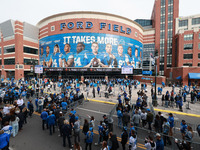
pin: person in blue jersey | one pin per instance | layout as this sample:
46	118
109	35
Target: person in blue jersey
120	57
55	57
80	58
108	58
137	59
67	59
94	57
130	60
42	56
46	61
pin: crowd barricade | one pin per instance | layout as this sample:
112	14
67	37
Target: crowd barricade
143	133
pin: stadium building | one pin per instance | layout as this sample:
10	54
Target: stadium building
100	44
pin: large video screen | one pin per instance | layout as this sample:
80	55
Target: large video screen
90	50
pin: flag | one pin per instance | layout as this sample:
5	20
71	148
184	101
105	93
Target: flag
152	59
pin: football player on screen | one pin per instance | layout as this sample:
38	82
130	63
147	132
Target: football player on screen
47	57
67	59
130	59
80	58
94	57
42	56
137	59
108	58
120	57
55	57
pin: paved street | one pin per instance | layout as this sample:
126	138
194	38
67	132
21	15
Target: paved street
33	137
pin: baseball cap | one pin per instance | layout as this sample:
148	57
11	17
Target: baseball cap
157	134
125	128
76	118
148	109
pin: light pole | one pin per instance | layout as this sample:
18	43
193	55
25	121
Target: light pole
155	103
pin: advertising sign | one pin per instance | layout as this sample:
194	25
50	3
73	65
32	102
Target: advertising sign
90	50
38	69
127	70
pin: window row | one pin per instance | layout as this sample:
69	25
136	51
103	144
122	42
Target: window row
30	62
195	21
187	56
188	37
188	46
183	23
11	49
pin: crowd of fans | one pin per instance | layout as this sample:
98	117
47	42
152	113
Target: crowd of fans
16	99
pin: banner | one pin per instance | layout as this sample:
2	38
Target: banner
90	50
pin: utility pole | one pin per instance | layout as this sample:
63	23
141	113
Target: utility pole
155	103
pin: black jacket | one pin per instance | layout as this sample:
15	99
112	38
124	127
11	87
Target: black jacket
66	130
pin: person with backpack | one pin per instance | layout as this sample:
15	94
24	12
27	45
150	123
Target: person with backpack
89	139
124	137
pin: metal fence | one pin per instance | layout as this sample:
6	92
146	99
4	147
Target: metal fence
142	133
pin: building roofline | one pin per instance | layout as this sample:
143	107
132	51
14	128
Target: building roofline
87	12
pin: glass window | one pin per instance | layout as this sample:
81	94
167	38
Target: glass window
162	2
0	50
161	59
195	21
161	67
187	64
199	35
188	46
199	45
170	1
30	62
30	50
170	8
9	49
0	61
188	37
162	10
10	61
187	56
183	23
199	56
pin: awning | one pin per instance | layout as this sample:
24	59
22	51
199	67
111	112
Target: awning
194	75
179	78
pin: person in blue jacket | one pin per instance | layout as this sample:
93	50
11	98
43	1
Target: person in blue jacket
183	128
119	116
44	116
89	138
159	142
171	122
4	140
51	120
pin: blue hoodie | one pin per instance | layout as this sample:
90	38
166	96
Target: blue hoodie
51	119
44	115
4	139
89	137
160	145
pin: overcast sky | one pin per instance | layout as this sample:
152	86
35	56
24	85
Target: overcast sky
32	11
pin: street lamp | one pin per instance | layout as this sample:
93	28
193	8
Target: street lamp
155	103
